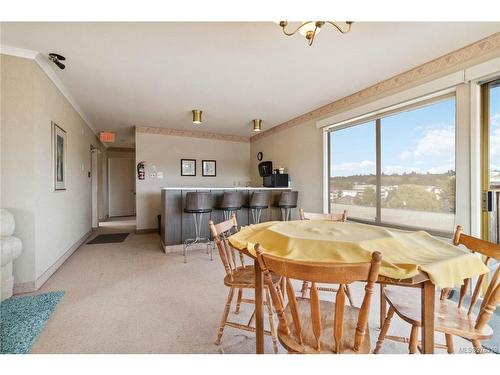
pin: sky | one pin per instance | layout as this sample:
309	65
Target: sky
421	140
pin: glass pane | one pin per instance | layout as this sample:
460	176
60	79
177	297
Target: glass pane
353	171
418	167
494	106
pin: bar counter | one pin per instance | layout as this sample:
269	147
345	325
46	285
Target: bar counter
177	226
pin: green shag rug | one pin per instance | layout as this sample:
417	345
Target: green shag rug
23	318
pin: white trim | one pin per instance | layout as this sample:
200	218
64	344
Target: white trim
428	90
326	173
475	159
484	71
44	64
18	52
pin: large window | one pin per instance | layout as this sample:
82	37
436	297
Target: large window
397	169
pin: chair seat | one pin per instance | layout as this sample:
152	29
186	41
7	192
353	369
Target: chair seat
200	211
449	318
256	207
287	206
245	278
291	341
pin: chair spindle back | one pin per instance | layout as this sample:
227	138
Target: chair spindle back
220	233
320	272
490	251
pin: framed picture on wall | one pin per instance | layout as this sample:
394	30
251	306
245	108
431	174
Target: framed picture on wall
59	157
188	167
209	168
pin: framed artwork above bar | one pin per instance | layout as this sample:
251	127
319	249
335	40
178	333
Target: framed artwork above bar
188	167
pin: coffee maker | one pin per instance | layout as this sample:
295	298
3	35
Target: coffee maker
272	178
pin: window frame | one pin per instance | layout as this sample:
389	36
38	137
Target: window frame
378	117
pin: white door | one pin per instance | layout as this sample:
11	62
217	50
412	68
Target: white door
121	187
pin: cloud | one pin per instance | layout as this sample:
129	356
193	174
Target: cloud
352	168
400	169
436	142
442	168
495	135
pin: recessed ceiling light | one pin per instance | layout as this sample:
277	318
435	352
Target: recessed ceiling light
197	116
257	125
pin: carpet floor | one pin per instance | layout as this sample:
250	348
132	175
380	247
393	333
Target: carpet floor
130	297
23	318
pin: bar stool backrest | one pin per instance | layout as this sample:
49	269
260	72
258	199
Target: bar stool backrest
259	199
196	200
232	199
289	198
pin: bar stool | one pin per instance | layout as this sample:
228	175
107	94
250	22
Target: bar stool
288	200
258	201
231	202
197	203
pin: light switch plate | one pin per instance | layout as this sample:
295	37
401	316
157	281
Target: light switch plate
159	174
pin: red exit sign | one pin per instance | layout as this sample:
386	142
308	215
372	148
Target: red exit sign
107	136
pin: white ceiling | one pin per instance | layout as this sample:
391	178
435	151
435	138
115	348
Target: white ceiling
154	74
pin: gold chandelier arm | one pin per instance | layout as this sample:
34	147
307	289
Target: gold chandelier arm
313	36
334	24
297	29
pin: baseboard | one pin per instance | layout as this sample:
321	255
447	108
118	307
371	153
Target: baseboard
169	249
32	286
146	231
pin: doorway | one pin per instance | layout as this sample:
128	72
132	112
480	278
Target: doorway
121	187
490	160
94	185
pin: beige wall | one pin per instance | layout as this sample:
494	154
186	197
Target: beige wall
299	150
165	152
48	222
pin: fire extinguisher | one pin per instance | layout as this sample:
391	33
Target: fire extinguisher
141	170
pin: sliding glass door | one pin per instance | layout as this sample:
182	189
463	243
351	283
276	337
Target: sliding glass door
398	169
491	160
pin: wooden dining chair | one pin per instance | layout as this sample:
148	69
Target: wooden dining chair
452	318
331	217
238	277
311	325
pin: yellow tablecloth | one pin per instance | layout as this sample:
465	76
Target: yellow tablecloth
404	253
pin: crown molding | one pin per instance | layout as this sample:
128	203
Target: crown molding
191	134
419	74
18	52
45	65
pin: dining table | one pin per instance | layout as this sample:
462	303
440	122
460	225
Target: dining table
413	259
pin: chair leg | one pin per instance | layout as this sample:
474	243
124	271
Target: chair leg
413	339
224	316
238	301
305	286
449	343
349	295
478	348
271	321
383	330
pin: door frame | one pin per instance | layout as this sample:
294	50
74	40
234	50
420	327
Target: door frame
94	186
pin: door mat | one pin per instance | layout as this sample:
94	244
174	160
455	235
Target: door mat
108	238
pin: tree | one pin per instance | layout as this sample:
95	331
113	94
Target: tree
369	197
413	197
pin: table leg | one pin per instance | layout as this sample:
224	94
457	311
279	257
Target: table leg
383	306
259	314
427	307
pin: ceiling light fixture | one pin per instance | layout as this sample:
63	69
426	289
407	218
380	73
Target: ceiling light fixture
197	116
257	125
309	29
56	59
